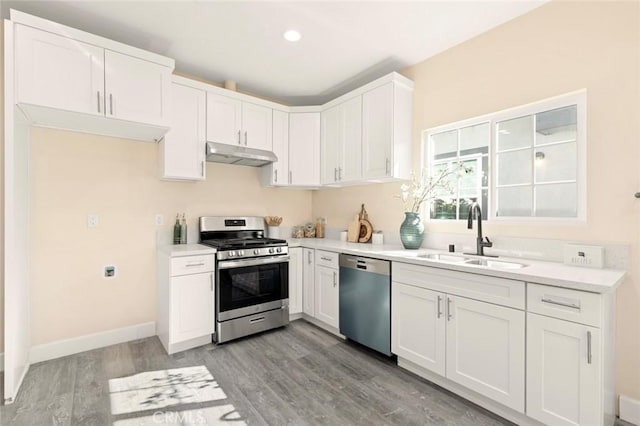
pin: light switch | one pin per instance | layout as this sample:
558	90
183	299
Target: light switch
584	255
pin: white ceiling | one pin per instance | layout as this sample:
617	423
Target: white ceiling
344	43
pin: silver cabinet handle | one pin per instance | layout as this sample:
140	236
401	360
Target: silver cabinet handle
449	314
195	264
290	176
239	142
335	174
98	101
335	278
202	169
327	259
439	308
246	138
212	281
309	257
111	103
339	173
387	166
275	175
566	305
589	355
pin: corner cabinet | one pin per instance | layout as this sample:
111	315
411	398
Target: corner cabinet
182	151
386	130
304	149
185	299
77	81
341	143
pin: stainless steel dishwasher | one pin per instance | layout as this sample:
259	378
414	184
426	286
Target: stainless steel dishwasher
365	301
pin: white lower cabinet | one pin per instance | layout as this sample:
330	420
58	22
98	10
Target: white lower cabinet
295	280
486	349
327	294
474	343
185	300
308	281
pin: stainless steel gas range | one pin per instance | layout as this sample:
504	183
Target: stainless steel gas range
252	276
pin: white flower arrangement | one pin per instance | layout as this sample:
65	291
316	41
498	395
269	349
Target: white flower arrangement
428	186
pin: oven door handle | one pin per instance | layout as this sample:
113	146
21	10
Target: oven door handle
225	264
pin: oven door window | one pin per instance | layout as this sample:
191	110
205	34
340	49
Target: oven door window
252	285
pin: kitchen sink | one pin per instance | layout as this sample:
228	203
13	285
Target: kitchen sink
449	258
494	264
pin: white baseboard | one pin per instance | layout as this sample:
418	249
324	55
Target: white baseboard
629	410
88	342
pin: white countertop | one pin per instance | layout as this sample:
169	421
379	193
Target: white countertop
179	250
535	271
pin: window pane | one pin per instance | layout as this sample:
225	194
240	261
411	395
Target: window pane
515	201
466	200
559	162
443	208
516	133
475	139
558	125
444	145
473	179
557	200
514	167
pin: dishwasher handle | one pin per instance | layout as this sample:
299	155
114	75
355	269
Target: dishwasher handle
365	264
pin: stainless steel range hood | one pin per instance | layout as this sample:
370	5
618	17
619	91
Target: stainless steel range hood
240	155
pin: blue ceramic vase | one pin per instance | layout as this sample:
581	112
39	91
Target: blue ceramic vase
412	231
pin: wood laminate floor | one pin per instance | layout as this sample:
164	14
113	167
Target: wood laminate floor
294	375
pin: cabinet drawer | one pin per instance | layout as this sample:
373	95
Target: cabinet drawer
572	305
191	264
500	291
327	258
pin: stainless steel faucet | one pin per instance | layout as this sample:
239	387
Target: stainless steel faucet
475	212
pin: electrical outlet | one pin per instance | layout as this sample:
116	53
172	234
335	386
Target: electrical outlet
159	219
110	271
583	255
93	220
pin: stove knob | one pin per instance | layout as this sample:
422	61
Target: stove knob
256	251
241	253
232	253
271	250
279	249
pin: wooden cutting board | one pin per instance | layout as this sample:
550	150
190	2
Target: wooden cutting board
353	230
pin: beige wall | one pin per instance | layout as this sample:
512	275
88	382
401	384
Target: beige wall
75	174
558	48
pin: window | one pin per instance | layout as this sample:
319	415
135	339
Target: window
527	162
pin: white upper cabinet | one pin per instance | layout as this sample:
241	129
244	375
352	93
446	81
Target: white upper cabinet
69	79
386	131
277	173
58	72
235	122
341	143
182	151
135	89
304	149
224	119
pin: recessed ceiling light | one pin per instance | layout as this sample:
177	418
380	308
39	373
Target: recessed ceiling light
291	35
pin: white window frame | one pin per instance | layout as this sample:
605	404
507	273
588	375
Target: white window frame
578	98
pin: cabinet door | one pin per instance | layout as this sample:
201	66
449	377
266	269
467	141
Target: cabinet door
257	126
295	280
192	298
183	147
486	349
418	326
280	169
308	280
330	141
563	373
350	162
377	132
58	72
326	295
304	148
224	117
136	90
